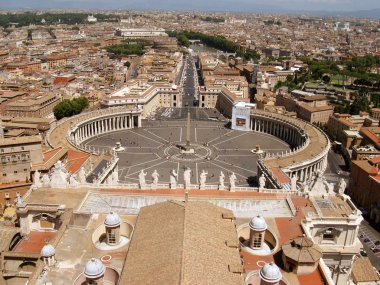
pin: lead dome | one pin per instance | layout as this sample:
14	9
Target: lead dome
112	220
258	224
270	273
94	268
48	250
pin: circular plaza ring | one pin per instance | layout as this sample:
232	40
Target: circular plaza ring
173	152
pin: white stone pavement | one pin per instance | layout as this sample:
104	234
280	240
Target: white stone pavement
131	204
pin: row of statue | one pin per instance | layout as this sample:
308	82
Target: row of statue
186	177
61	178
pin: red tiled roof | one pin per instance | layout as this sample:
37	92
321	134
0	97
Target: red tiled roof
346	122
377	178
51	153
375	159
314	278
282	178
35	242
75	160
50	157
371	135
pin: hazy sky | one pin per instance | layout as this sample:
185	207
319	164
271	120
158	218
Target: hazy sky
218	5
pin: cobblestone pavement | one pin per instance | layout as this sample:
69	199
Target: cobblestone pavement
217	148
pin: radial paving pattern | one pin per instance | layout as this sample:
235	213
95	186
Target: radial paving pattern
217	148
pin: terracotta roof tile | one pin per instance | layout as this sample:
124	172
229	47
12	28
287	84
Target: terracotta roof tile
75	160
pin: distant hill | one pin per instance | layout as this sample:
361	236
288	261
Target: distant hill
248	6
373	14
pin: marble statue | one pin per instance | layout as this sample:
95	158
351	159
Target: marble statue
202	179
305	187
293	183
58	165
320	186
109	180
45	180
19	200
221	180
82	175
173	179
142	182
73	181
232	181
115	176
155	176
37	179
342	186
59	176
187	177
262	181
329	187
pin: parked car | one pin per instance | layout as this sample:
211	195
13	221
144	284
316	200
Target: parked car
366	240
363	253
376	250
377	242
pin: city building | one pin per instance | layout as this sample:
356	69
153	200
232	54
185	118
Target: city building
309	107
135	33
364	185
148	97
17	155
32	106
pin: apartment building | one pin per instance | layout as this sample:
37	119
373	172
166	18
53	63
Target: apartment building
309	107
37	105
16	157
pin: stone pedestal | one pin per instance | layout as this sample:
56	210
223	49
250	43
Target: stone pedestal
188	150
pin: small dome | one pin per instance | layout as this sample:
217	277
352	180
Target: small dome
48	250
94	268
270	273
112	220
258	224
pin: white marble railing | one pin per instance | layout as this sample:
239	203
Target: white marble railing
135	186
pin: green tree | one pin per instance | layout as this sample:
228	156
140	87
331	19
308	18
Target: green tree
360	104
183	41
68	108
